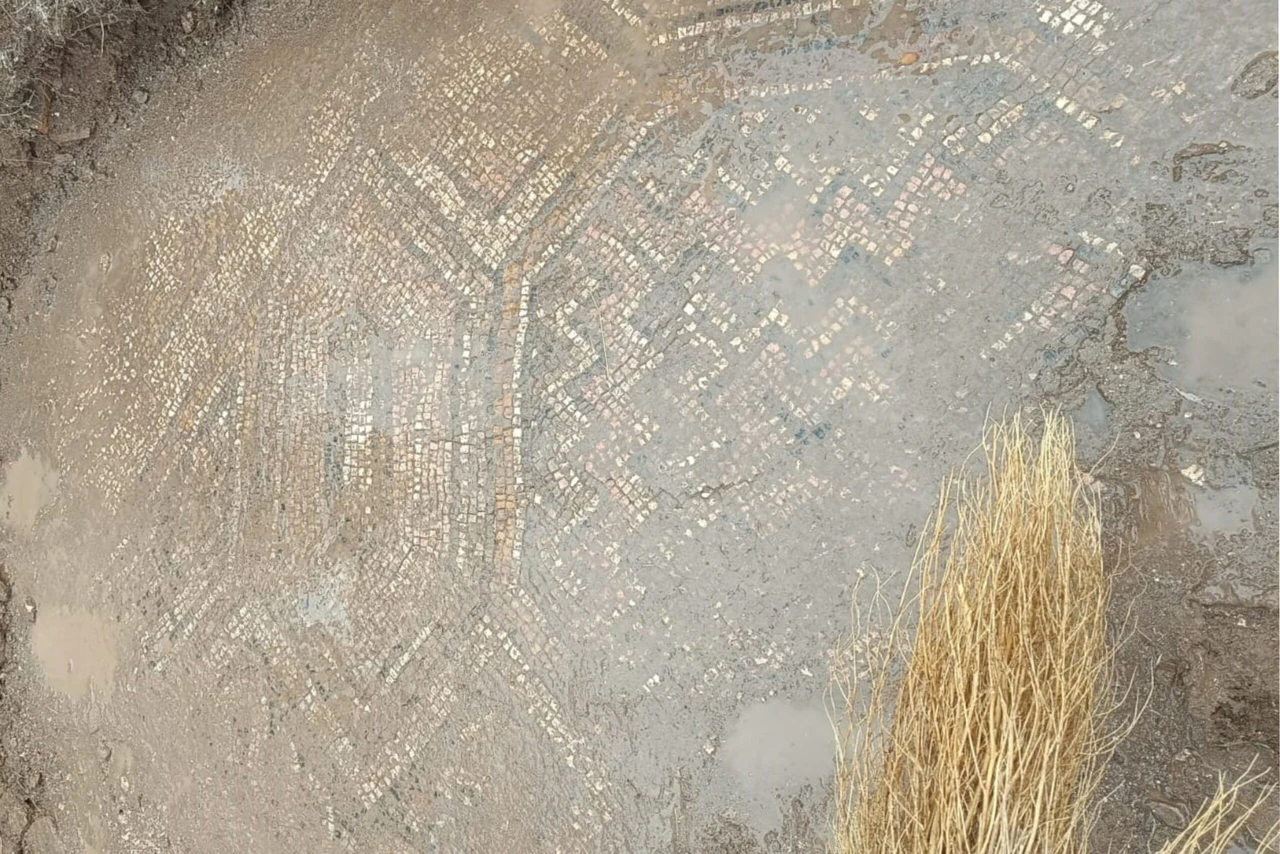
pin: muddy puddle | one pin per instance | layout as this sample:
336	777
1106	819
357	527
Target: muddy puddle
1171	501
774	749
1214	331
1215	328
76	652
30	484
1093	424
1228	510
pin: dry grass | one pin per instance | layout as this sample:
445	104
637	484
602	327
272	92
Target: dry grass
979	724
1223	819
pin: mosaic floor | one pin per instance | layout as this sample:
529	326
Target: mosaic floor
459	427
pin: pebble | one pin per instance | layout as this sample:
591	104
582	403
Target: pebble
1194	473
1166	811
140	96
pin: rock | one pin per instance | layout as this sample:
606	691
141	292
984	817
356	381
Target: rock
1167	811
909	58
188	21
1258	77
76	135
140	96
42	838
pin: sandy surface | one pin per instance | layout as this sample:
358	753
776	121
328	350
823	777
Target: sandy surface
458	427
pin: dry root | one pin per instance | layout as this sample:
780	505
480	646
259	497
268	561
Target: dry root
979	724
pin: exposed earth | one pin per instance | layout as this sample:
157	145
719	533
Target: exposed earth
460	426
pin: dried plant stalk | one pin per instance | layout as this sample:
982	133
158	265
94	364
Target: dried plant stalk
1223	818
980	727
978	723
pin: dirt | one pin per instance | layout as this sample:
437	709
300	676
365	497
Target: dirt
29	485
82	92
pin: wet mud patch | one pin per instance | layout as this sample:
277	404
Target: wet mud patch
1177	233
72	97
22	818
778	747
77	653
1213	328
30	484
1181	377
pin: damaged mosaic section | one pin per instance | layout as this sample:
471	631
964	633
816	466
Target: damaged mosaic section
470	447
